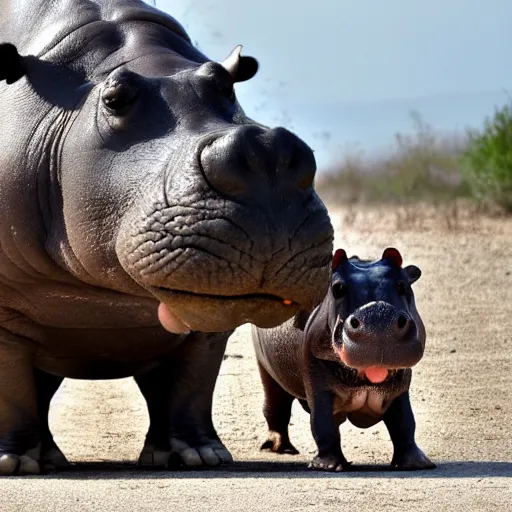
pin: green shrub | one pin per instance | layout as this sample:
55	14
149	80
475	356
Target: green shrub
487	161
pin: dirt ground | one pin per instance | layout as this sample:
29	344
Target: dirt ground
461	394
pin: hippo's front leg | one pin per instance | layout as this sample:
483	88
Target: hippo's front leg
179	396
399	420
326	433
19	428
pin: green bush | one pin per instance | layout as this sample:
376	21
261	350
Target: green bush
487	161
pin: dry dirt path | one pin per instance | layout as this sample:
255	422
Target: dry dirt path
461	393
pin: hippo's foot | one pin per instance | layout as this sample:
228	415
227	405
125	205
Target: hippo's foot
212	453
154	457
11	464
34	462
330	463
52	459
411	459
209	454
279	443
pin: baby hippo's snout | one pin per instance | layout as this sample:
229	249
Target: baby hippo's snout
378	321
380	335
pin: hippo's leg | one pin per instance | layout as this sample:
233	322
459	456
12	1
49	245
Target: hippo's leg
179	395
277	410
326	433
399	420
51	456
304	404
19	428
154	386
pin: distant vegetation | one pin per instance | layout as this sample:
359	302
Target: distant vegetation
487	161
429	167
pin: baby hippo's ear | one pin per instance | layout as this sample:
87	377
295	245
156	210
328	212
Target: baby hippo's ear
11	64
340	256
392	254
413	272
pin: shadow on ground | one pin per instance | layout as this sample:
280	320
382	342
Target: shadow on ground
265	469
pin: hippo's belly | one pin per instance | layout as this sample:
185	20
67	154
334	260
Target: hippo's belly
88	332
103	353
70	307
364	407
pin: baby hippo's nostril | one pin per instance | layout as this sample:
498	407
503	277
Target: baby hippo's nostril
354	322
402	321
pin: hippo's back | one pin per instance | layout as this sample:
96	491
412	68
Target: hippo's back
93	36
280	352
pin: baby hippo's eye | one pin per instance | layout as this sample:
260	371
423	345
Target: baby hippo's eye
400	288
339	290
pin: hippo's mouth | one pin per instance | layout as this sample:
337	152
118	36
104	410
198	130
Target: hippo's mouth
372	376
267	297
222	313
376	374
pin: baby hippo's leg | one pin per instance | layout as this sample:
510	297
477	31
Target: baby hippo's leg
326	432
277	411
399	420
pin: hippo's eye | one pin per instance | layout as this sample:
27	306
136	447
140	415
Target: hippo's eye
400	288
339	290
118	97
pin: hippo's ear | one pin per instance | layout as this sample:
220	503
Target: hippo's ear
240	68
340	256
11	63
393	255
413	272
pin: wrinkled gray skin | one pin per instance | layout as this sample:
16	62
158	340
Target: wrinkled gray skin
130	177
351	358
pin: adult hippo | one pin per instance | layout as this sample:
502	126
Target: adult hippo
131	181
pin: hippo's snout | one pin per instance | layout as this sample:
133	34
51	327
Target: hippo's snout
249	158
378	334
379	319
256	250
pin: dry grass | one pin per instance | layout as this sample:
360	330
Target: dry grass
424	167
458	215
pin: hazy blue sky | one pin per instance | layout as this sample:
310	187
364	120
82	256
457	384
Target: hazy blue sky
355	68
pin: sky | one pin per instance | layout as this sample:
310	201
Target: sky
347	73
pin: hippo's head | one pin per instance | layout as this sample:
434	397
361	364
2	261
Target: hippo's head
375	325
167	187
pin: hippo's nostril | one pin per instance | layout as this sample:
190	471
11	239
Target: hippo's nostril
402	321
354	322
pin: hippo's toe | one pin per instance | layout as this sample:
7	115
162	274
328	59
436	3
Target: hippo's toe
279	443
11	464
330	463
52	459
412	459
154	457
210	454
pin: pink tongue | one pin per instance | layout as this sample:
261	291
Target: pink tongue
375	374
171	322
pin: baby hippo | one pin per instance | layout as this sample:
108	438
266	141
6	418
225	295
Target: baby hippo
350	358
